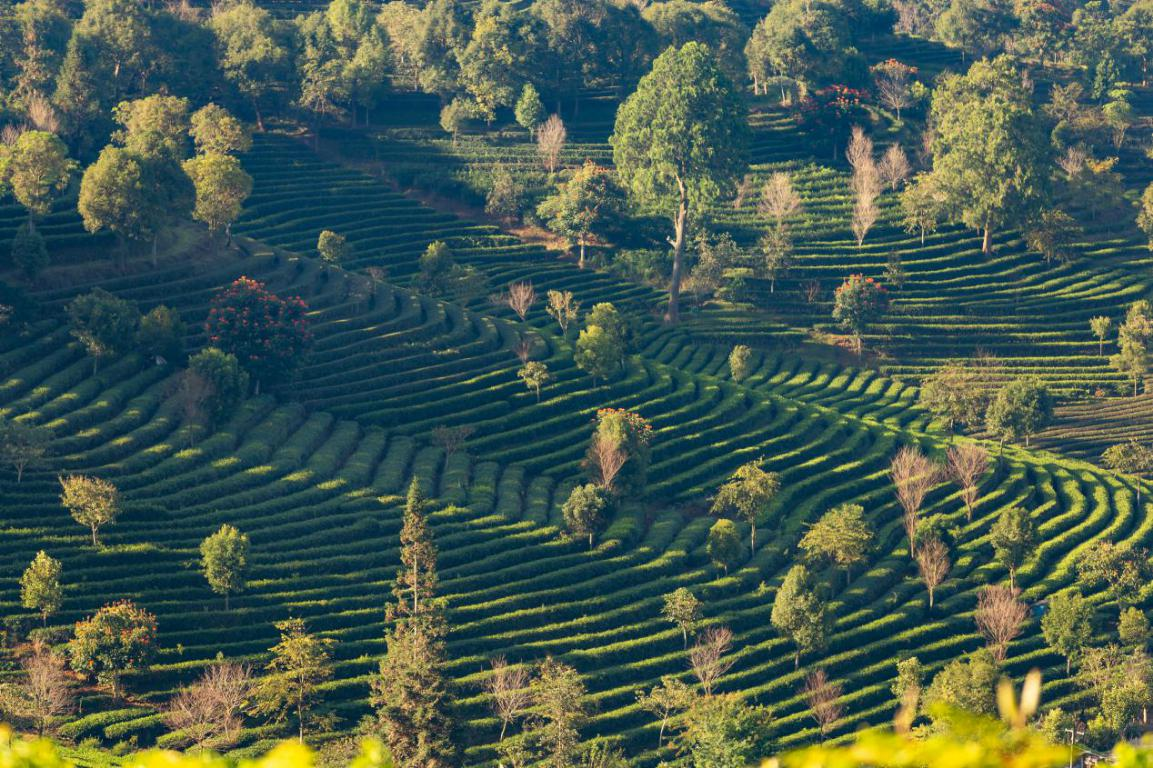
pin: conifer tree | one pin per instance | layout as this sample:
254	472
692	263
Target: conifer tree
411	693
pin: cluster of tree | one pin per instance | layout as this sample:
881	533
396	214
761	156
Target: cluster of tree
975	394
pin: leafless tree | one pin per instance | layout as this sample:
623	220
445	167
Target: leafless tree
707	657
894	166
933	564
42	113
812	291
523	349
824	698
10	133
209	712
521	297
865	183
968	463
42	694
511	696
894	81
860	151
563	308
452	439
193	391
914	475
550	142
1000	616
609	458
1073	162
865	210
778	199
743	190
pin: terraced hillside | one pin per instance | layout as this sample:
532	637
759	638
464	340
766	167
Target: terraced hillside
955	302
315	476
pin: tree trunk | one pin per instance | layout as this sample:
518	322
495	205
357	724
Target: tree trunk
581	263
752	537
259	117
590	542
930	599
673	313
685	635
95	543
986	248
797	659
503	728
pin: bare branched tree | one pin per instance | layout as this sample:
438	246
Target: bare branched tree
824	698
933	564
707	658
523	349
550	142
914	475
866	184
1000	616
609	458
894	86
563	308
1073	162
860	149
452	439
43	693
521	296
968	463
778	199
210	711
511	696
42	113
894	166
743	190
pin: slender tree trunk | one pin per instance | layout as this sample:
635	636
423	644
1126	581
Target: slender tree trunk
685	636
673	314
986	248
797	659
503	728
581	263
752	536
256	110
590	541
930	599
95	543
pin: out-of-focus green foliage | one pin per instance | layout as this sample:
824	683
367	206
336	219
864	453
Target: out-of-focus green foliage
16	752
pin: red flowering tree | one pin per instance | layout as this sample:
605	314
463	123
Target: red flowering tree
117	638
831	112
268	334
858	303
620	446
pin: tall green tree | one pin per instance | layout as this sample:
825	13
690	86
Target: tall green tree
990	152
252	51
224	560
724	545
1067	625
679	143
841	536
1133	339
1131	458
36	169
683	609
583	206
585	511
290	686
221	186
799	613
91	501
724	731
748	493
1021	408
40	588
1013	537
410	694
103	323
